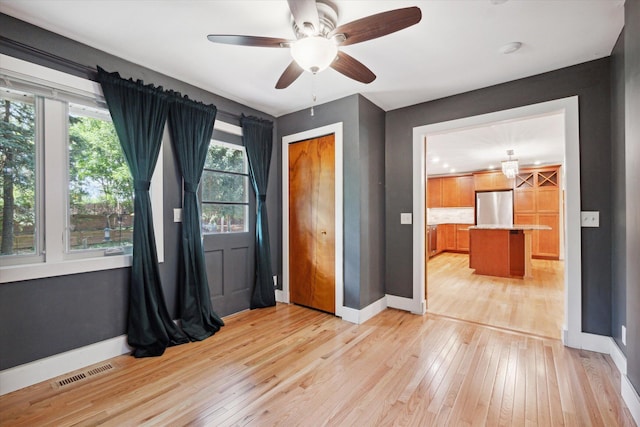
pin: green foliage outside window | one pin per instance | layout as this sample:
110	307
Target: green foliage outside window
17	179
100	186
224	189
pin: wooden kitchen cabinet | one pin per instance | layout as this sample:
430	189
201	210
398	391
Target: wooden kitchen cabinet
434	192
449	237
537	199
453	237
462	237
490	181
457	191
466	193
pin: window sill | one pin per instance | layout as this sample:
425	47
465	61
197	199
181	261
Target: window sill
52	269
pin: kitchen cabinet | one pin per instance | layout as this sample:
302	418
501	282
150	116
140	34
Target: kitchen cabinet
537	201
434	192
490	181
462	237
457	191
453	237
449	237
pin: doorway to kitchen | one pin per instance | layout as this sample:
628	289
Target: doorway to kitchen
568	296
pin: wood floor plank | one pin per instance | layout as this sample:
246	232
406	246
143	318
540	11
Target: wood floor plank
533	305
289	365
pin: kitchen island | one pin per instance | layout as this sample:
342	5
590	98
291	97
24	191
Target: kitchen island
502	250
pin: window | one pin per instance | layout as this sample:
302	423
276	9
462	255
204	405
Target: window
66	193
18	178
100	200
225	189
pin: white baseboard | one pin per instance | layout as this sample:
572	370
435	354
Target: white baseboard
360	316
618	357
597	343
631	398
281	296
400	303
50	367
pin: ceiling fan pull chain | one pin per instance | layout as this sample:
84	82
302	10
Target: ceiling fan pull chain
313	92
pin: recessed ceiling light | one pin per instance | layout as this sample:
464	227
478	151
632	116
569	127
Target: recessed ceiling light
537	162
491	167
452	170
445	165
510	47
435	160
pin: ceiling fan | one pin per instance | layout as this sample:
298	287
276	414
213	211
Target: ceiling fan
318	39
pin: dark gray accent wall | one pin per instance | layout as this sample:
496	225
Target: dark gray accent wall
618	196
372	188
591	82
40	318
632	150
363	138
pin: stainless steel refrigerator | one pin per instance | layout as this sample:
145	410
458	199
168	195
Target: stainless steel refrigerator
494	208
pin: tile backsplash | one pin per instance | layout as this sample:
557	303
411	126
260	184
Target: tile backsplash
450	216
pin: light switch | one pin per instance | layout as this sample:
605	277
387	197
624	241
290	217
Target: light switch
177	214
406	218
590	218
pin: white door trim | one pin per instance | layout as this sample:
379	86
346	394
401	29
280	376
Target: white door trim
336	130
572	327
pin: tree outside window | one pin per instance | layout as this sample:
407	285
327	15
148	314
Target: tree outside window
18	177
100	184
224	189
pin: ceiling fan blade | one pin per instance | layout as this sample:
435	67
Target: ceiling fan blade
305	11
352	68
249	40
378	25
289	75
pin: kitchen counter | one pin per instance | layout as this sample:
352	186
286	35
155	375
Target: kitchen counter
502	250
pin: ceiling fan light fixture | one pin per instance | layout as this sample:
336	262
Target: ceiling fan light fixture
314	54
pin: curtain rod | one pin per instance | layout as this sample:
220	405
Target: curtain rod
27	52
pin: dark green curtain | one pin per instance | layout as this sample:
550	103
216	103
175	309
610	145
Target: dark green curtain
257	136
191	126
139	114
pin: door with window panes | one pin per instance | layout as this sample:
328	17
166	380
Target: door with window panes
228	223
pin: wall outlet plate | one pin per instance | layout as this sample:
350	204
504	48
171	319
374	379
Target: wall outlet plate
590	218
406	218
177	214
623	335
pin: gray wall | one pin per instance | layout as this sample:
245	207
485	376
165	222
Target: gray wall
39	318
591	82
363	139
618	196
372	189
632	172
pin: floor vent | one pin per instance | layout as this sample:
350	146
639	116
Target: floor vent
100	369
74	378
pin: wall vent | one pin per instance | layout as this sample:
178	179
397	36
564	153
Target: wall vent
74	378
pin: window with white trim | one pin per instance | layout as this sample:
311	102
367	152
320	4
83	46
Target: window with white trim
224	189
66	193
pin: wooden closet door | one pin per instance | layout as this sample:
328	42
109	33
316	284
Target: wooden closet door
312	223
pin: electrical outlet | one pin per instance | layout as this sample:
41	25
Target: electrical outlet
177	214
275	281
624	335
590	218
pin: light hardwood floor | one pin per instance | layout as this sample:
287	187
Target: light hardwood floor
289	365
534	306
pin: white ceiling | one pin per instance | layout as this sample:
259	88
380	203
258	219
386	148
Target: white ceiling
534	140
454	49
